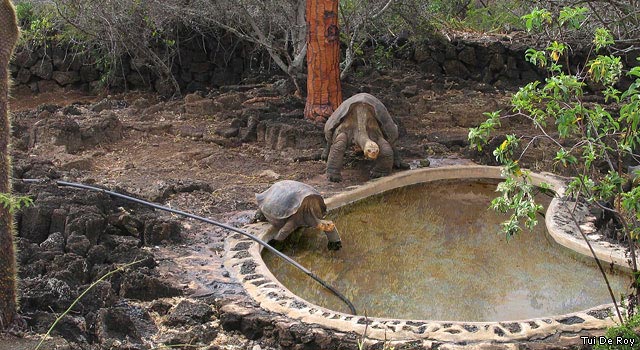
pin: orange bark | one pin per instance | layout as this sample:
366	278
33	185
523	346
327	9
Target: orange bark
324	93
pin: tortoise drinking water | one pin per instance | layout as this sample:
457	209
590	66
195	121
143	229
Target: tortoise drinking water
289	204
364	121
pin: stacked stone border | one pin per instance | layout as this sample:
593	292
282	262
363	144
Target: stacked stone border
202	64
244	260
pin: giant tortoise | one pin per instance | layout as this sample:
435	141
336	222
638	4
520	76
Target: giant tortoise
364	121
289	204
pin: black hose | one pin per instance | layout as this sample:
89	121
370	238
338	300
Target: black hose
209	221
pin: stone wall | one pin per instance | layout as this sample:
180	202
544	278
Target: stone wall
200	63
492	61
498	60
211	62
43	70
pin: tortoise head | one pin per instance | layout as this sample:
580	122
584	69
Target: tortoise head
326	225
371	150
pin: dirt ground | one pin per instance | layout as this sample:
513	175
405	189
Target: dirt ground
165	141
200	154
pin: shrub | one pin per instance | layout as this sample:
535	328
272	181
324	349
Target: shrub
594	141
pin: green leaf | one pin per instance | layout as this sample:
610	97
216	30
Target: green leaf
611	93
14	203
565	158
605	69
536	18
536	57
556	49
631	201
505	151
589	155
573	16
479	136
602	38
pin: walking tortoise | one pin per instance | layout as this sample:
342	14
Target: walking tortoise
364	121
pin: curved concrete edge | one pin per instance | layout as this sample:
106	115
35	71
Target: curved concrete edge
243	259
564	232
417	176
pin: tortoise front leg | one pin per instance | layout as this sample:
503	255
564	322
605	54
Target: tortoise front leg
336	157
384	163
286	230
258	217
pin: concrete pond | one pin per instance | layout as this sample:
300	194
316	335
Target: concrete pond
425	265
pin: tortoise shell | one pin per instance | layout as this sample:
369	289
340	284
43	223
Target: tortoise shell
387	125
284	199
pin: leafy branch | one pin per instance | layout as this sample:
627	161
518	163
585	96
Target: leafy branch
14	203
583	134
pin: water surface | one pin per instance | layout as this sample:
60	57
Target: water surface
435	251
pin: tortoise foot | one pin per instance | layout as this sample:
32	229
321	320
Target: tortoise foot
377	174
279	245
325	154
402	165
334	245
258	217
335	177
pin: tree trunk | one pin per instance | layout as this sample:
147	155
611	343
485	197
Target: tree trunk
8	272
324	93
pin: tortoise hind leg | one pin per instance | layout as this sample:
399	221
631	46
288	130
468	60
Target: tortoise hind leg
336	157
384	163
325	151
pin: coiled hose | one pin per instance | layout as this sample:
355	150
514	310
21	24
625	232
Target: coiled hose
209	221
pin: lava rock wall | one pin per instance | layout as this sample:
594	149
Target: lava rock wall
201	63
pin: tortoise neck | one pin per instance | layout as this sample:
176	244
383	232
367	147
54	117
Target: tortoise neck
362	136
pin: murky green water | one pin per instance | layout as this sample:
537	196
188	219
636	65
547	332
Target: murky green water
434	251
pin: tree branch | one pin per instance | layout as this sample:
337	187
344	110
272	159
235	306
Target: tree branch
265	42
382	10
